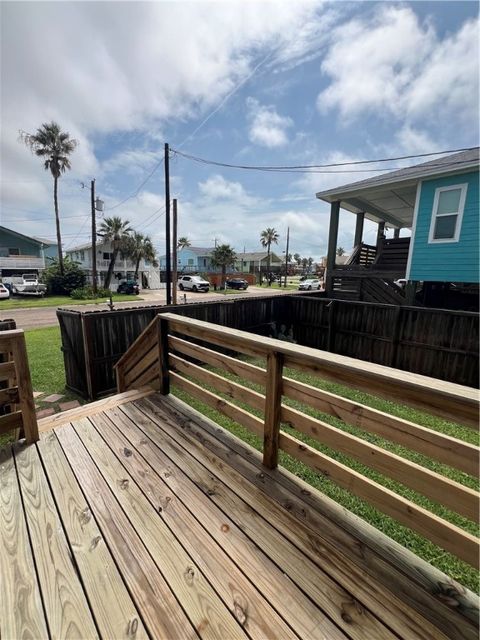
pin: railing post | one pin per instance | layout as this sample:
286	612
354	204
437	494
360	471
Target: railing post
120	375
163	356
25	390
273	401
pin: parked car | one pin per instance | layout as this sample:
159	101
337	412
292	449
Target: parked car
129	286
236	283
193	283
308	285
4	292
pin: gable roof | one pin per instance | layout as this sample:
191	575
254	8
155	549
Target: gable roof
257	256
39	241
391	196
199	251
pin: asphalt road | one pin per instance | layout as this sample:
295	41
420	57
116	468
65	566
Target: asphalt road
37	317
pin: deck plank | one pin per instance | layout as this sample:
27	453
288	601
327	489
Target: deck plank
330	597
423	601
67	611
160	611
21	609
209	616
155	475
112	606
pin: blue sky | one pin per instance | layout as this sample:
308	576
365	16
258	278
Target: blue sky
264	83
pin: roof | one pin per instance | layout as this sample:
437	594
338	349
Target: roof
41	241
257	256
391	196
199	251
79	247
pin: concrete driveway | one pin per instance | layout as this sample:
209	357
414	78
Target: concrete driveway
37	317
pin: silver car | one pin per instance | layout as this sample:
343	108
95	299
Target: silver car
193	283
308	285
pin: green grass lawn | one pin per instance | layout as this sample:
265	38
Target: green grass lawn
231	292
57	301
276	285
444	561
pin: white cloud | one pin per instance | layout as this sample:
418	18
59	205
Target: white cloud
216	187
394	65
267	127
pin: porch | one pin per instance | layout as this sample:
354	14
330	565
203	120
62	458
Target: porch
137	517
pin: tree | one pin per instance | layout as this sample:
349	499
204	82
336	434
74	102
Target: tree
139	247
267	237
304	263
117	232
297	258
340	251
55	146
223	256
58	283
183	243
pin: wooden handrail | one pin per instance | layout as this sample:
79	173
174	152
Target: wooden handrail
17	397
159	358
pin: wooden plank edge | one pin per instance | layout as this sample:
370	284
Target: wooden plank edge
65	417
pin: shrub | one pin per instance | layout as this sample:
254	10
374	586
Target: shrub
86	293
73	277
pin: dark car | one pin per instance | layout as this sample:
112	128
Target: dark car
129	287
236	283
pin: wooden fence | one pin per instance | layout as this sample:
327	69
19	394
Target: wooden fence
17	407
162	356
433	342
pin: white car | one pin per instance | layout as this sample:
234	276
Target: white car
4	292
193	283
308	285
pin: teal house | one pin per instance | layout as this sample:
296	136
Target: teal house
20	253
428	233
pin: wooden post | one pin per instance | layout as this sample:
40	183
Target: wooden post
163	356
410	291
174	253
331	326
273	402
94	238
168	268
359	229
396	234
25	390
87	350
332	243
380	235
120	375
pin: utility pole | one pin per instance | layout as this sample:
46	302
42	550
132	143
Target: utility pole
286	256
174	252
94	238
167	226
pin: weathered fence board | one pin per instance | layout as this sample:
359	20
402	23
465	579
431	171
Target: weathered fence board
432	342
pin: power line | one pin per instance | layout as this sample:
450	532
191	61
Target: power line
314	167
137	190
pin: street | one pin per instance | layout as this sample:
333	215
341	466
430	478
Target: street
37	317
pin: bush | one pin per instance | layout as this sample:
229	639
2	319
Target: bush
73	277
86	293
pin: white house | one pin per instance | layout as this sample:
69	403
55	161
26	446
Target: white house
148	275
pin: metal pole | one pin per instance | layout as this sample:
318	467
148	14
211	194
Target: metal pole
167	226
174	252
94	238
286	256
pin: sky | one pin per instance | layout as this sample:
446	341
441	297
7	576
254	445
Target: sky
251	83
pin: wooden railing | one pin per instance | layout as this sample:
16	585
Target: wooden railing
17	407
159	358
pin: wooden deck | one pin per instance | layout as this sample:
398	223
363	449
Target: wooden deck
145	520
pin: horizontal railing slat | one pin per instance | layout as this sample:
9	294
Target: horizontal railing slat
434	486
441	447
9	396
444	534
11	421
7	370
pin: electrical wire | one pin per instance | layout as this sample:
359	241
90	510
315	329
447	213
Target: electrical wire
314	168
137	190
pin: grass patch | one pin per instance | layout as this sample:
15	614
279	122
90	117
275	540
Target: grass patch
446	562
276	285
231	292
58	301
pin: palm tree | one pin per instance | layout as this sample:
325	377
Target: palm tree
55	146
223	256
297	258
183	242
340	251
139	247
268	237
117	232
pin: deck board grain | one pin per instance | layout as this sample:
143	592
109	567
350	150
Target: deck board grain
67	611
21	609
112	606
160	611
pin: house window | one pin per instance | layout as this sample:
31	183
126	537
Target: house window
107	255
190	262
82	256
448	205
14	252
